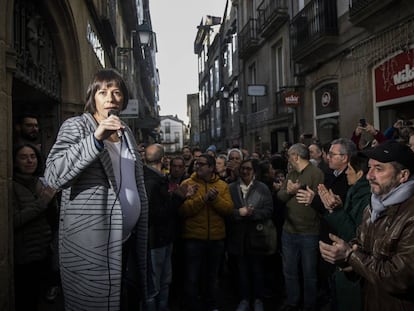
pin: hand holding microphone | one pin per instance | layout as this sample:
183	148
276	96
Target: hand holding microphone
109	125
113	112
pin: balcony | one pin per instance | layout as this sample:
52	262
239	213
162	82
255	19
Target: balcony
248	39
257	119
271	16
360	11
314	28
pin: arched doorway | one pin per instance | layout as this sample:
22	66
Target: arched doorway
36	82
46	77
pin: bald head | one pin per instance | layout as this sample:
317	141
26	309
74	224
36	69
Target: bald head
154	154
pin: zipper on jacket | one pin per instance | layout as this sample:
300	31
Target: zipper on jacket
208	216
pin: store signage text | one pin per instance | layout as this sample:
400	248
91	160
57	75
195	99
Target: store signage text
405	75
394	78
292	99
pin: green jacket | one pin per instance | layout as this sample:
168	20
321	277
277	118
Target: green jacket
205	220
346	220
299	218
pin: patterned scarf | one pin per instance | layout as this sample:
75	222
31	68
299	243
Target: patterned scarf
395	196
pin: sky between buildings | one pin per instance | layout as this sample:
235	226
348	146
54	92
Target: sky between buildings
175	24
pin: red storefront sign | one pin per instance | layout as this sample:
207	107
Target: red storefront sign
292	99
394	78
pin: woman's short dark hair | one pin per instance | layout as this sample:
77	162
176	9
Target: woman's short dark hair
359	162
105	77
39	169
263	170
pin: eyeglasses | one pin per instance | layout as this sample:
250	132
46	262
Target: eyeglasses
332	154
246	168
200	163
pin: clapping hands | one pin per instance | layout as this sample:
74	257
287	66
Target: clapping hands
329	199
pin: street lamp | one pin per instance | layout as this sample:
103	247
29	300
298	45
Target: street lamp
144	33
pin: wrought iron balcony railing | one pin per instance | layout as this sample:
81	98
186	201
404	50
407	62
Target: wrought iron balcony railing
313	27
361	10
248	38
272	14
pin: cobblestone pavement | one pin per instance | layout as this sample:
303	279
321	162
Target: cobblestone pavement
227	297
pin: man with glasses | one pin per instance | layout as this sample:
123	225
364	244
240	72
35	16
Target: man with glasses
27	130
204	231
335	185
335	182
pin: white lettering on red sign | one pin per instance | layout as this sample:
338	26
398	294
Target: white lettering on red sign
405	75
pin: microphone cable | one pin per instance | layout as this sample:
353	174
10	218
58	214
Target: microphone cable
110	225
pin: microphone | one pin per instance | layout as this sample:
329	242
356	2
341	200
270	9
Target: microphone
114	112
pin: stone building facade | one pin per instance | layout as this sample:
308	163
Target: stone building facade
49	51
309	68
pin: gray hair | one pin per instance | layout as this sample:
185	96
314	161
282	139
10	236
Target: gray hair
235	150
301	150
348	147
155	156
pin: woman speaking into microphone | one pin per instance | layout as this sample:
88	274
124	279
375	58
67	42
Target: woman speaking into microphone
104	212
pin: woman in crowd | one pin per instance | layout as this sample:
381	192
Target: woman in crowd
34	205
345	219
253	208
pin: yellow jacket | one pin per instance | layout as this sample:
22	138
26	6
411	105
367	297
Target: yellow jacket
205	220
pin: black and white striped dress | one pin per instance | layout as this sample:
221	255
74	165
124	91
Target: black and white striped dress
90	229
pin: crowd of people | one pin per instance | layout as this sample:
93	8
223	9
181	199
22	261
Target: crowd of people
318	225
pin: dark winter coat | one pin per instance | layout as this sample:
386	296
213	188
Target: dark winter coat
385	259
32	231
163	208
239	228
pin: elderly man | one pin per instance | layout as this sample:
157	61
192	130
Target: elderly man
383	253
316	153
234	158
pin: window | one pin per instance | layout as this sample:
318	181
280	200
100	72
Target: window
278	62
252	79
216	76
218	119
229	59
326	109
278	78
234	43
176	137
202	98
211	72
212	115
200	63
167	127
